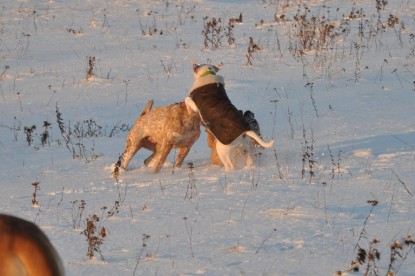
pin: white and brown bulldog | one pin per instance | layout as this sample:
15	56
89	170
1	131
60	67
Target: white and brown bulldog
208	97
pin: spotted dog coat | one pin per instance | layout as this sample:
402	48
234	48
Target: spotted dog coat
159	130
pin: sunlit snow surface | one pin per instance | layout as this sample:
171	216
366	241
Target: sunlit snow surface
344	106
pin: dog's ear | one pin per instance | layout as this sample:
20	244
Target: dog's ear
195	66
218	67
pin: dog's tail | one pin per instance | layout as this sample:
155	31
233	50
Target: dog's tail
254	136
148	107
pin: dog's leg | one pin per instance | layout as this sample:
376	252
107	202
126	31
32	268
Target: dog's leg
249	160
130	150
158	160
224	153
248	151
154	147
183	151
211	141
148	159
214	157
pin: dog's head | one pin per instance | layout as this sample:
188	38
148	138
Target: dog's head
201	70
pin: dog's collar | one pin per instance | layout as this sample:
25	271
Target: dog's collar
208	79
210	72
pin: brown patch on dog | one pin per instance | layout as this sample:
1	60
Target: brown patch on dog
25	249
161	129
211	141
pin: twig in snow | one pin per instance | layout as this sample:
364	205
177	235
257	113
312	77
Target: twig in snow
403	184
143	245
189	230
265	240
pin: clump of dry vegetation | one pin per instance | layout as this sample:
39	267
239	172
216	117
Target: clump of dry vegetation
29	134
312	33
252	49
77	213
95	235
191	190
90	71
214	31
367	260
144	241
35	202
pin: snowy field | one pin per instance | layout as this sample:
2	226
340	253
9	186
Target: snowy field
332	82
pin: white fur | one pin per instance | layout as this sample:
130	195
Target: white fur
227	153
190	104
199	69
209	79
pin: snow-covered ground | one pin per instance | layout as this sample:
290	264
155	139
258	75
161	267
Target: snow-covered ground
333	83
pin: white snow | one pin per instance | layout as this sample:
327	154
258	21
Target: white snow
348	108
